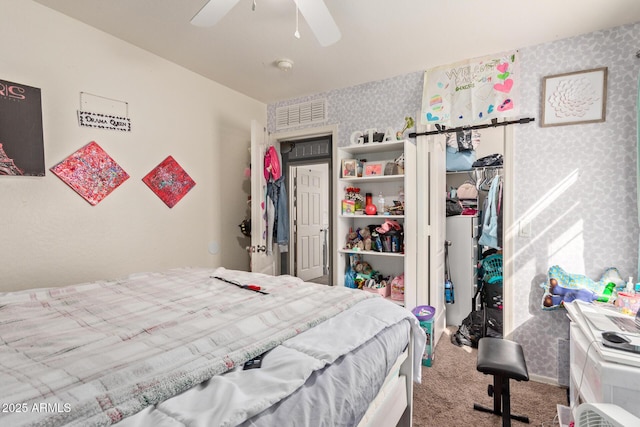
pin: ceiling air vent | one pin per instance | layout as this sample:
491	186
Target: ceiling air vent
301	114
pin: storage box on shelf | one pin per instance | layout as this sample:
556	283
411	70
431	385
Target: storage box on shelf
396	182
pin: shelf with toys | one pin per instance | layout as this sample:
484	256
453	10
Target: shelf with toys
377	277
374	229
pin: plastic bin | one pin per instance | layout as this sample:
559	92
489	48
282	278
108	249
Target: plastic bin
492	268
424	314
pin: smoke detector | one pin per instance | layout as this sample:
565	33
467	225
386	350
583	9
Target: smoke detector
284	64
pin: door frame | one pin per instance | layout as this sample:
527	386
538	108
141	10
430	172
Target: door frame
509	230
262	260
307	133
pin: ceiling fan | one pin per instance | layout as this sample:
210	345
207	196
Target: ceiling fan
315	12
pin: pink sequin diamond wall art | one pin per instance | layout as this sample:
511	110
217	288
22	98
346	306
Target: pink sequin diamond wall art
169	181
91	173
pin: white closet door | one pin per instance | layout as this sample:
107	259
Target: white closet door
261	261
431	226
411	218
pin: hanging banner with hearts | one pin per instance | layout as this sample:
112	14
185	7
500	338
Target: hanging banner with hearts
472	91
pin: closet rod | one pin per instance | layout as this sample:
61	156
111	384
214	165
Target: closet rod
494	123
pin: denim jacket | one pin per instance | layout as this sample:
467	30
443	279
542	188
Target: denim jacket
277	192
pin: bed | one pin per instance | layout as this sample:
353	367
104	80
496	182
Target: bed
170	349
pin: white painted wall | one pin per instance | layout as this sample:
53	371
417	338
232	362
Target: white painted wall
50	236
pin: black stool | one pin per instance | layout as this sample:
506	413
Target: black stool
504	360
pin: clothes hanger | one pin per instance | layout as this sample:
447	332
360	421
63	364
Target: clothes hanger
490	174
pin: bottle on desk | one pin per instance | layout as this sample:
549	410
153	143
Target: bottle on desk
630	286
607	293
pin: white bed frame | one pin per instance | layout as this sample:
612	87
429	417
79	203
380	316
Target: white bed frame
393	406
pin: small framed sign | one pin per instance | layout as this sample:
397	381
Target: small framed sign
104	121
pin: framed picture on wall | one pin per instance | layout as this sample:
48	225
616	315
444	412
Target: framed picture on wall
21	137
574	98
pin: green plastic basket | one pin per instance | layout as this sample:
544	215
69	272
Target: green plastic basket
492	268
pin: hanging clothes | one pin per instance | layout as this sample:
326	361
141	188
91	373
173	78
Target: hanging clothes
277	213
270	218
499	211
279	231
272	164
489	235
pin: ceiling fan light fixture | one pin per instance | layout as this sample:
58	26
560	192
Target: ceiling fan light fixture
315	12
297	33
284	64
320	21
212	12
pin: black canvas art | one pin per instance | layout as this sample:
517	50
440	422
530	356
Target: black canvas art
21	142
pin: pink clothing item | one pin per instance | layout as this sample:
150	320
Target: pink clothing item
272	164
388	225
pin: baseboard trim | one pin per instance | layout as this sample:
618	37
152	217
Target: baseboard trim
544	380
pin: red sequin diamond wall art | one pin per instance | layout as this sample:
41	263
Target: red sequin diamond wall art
169	181
91	173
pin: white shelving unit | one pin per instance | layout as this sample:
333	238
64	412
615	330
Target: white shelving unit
388	263
462	232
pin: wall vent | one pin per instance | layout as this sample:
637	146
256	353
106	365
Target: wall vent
301	114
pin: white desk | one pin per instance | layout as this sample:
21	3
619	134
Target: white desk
600	374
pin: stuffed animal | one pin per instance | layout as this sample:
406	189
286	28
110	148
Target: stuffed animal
365	236
563	287
352	240
397	288
359	239
364	273
565	295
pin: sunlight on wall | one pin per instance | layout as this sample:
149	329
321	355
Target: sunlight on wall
564	249
542	233
568	249
520	317
549	197
538	207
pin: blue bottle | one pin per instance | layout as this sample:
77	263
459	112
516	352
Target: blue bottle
449	297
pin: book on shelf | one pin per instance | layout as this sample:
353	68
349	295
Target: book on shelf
348	207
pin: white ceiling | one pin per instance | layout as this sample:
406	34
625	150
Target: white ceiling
380	38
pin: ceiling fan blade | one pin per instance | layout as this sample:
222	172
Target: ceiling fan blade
212	12
320	21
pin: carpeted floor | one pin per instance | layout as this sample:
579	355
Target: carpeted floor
452	385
